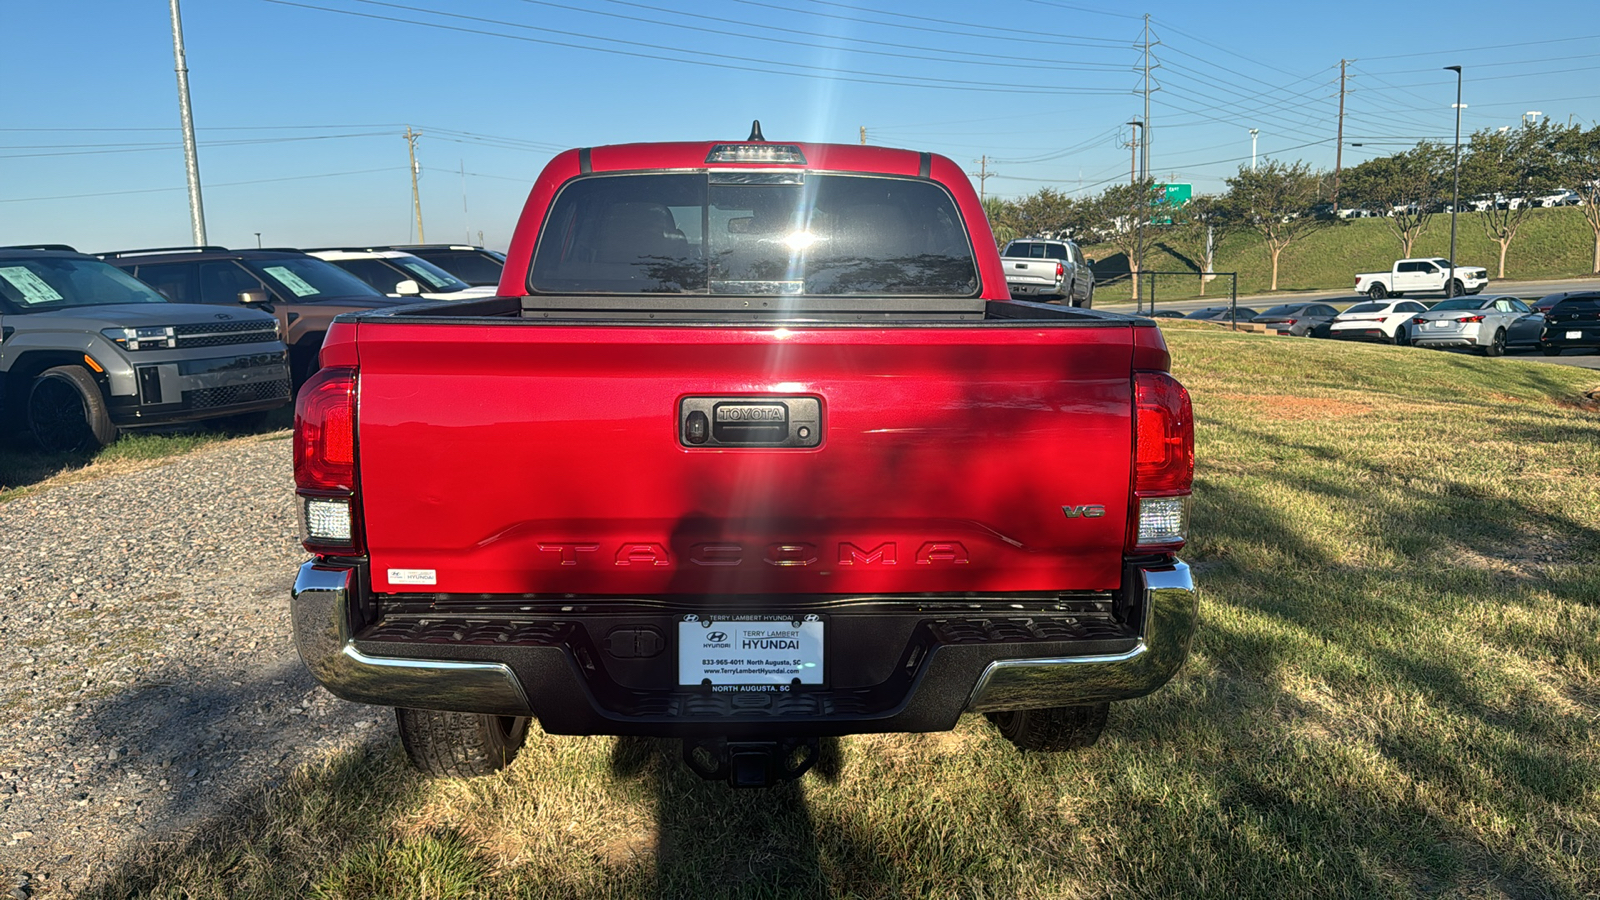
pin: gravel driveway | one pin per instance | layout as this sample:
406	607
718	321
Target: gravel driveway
150	678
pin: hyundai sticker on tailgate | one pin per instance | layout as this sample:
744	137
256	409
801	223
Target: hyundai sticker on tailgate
763	653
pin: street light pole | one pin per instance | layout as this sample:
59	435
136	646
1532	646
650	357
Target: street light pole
197	211
1455	192
1253	133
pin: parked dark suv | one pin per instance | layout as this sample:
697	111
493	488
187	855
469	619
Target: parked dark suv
474	265
86	350
304	292
1572	323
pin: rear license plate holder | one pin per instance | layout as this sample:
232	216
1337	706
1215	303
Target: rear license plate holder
751	652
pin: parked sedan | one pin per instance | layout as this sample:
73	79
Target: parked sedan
1388	321
1299	319
1490	325
1544	303
1223	314
1573	323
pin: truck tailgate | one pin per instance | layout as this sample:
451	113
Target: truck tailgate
547	458
1039	271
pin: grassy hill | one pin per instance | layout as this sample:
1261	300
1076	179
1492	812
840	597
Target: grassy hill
1554	243
1394	692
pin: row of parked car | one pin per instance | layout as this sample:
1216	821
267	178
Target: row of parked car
91	344
1491	325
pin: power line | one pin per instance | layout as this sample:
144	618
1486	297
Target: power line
140	148
1587	37
209	185
824	72
945	53
967	28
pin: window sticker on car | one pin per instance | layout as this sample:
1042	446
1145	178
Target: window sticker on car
429	278
290	280
34	289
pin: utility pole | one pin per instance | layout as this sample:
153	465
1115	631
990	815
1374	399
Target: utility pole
1338	151
1144	158
1136	263
1253	133
983	175
416	198
1133	157
1455	189
197	211
863	135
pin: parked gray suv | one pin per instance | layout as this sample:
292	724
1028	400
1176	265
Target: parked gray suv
87	350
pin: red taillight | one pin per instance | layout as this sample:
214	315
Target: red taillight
1163	463
1419	321
1061	270
1288	321
1164	444
325	432
1470	319
325	462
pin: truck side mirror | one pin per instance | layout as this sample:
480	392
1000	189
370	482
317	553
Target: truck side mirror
254	298
408	288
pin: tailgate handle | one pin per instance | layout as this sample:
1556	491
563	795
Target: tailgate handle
756	422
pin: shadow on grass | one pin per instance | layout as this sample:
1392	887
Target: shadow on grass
716	841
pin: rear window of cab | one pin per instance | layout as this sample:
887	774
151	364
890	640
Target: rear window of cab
795	233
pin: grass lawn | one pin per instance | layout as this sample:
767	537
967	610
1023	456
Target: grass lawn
1395	692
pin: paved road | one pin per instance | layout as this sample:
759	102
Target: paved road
1525	289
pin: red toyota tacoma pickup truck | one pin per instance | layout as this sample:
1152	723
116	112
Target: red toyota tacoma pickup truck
753	448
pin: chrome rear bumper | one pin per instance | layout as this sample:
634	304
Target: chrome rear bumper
1171	613
325	598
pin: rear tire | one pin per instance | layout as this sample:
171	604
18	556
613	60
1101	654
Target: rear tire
67	413
1378	292
1052	730
459	745
1402	337
1497	346
1550	351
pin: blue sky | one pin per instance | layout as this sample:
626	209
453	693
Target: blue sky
300	106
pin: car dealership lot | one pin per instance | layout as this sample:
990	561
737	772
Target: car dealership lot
1342	299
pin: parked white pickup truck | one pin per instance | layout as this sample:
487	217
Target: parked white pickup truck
1418	276
1039	269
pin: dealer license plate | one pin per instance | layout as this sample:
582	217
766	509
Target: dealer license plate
753	652
1574	335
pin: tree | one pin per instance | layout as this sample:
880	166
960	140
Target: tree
1002	218
1406	188
1578	163
1198	227
1048	212
1120	216
1277	200
1505	169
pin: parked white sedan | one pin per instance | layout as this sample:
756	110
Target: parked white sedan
1380	320
1489	325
